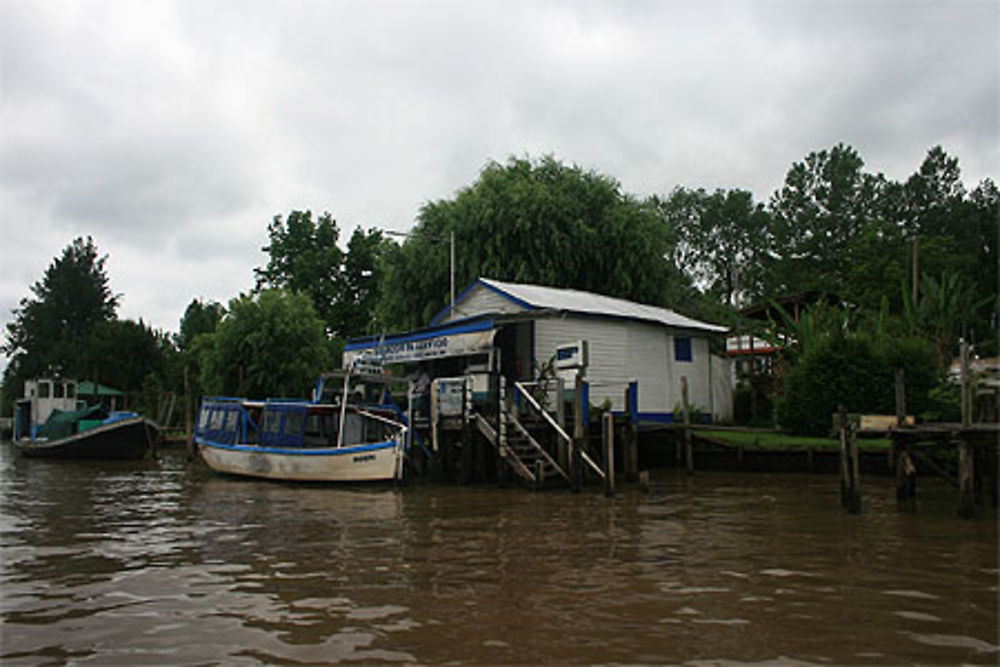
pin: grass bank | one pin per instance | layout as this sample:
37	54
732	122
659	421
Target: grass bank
775	441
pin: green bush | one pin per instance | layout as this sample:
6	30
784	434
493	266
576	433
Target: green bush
842	370
852	371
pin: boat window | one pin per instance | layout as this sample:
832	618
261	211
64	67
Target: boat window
59	390
232	420
293	423
44	389
215	423
203	417
70	390
272	421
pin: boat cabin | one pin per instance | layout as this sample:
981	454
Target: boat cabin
326	421
41	398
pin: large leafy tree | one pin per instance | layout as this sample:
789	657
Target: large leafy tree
721	241
825	202
51	329
304	256
122	353
269	344
535	222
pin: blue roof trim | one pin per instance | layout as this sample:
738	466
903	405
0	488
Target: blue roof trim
493	288
471	325
447	309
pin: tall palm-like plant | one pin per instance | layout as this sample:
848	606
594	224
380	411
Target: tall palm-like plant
942	312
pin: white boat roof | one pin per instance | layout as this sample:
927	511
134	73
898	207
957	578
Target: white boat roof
539	297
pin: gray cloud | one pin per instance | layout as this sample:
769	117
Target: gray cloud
173	131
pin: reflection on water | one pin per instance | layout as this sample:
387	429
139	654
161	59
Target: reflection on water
164	563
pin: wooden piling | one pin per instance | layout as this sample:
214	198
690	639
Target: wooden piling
966	464
503	470
906	477
608	438
579	436
900	397
644	480
188	435
562	449
630	440
850	493
688	451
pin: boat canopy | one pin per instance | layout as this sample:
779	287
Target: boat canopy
64	423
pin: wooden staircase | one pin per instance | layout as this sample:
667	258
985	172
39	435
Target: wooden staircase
519	443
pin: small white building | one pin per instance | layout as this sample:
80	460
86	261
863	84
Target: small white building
519	329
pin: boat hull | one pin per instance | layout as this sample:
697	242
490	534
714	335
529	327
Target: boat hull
129	439
363	463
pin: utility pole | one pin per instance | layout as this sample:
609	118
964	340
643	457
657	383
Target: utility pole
437	239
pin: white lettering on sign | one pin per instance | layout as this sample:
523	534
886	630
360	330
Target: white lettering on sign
429	348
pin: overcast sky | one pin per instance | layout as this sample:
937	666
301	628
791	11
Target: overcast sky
172	132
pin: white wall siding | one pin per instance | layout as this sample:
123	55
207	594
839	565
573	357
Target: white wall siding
481	300
607	341
622	350
649	350
722	389
696	371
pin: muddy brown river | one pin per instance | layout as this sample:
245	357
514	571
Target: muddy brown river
165	563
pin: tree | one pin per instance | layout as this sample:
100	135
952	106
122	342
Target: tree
721	241
533	222
121	353
304	256
199	317
825	202
50	330
269	344
357	293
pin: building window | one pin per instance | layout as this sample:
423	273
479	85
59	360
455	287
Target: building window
682	349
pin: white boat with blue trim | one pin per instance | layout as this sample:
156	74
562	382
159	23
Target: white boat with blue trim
349	432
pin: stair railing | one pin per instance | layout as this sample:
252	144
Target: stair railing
522	390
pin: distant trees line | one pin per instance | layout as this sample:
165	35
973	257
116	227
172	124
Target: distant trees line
915	259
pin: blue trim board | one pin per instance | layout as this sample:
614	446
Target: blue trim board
299	451
470	325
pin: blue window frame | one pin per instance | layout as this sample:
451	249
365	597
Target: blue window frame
682	349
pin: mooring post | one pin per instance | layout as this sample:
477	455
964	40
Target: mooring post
850	496
608	440
562	448
966	464
579	435
468	452
502	471
630	432
906	476
188	435
688	452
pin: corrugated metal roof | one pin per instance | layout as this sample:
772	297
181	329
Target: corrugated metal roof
576	301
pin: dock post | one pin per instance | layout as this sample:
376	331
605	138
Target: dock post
688	452
502	470
850	495
906	477
579	435
188	436
562	449
608	437
468	453
631	432
966	465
